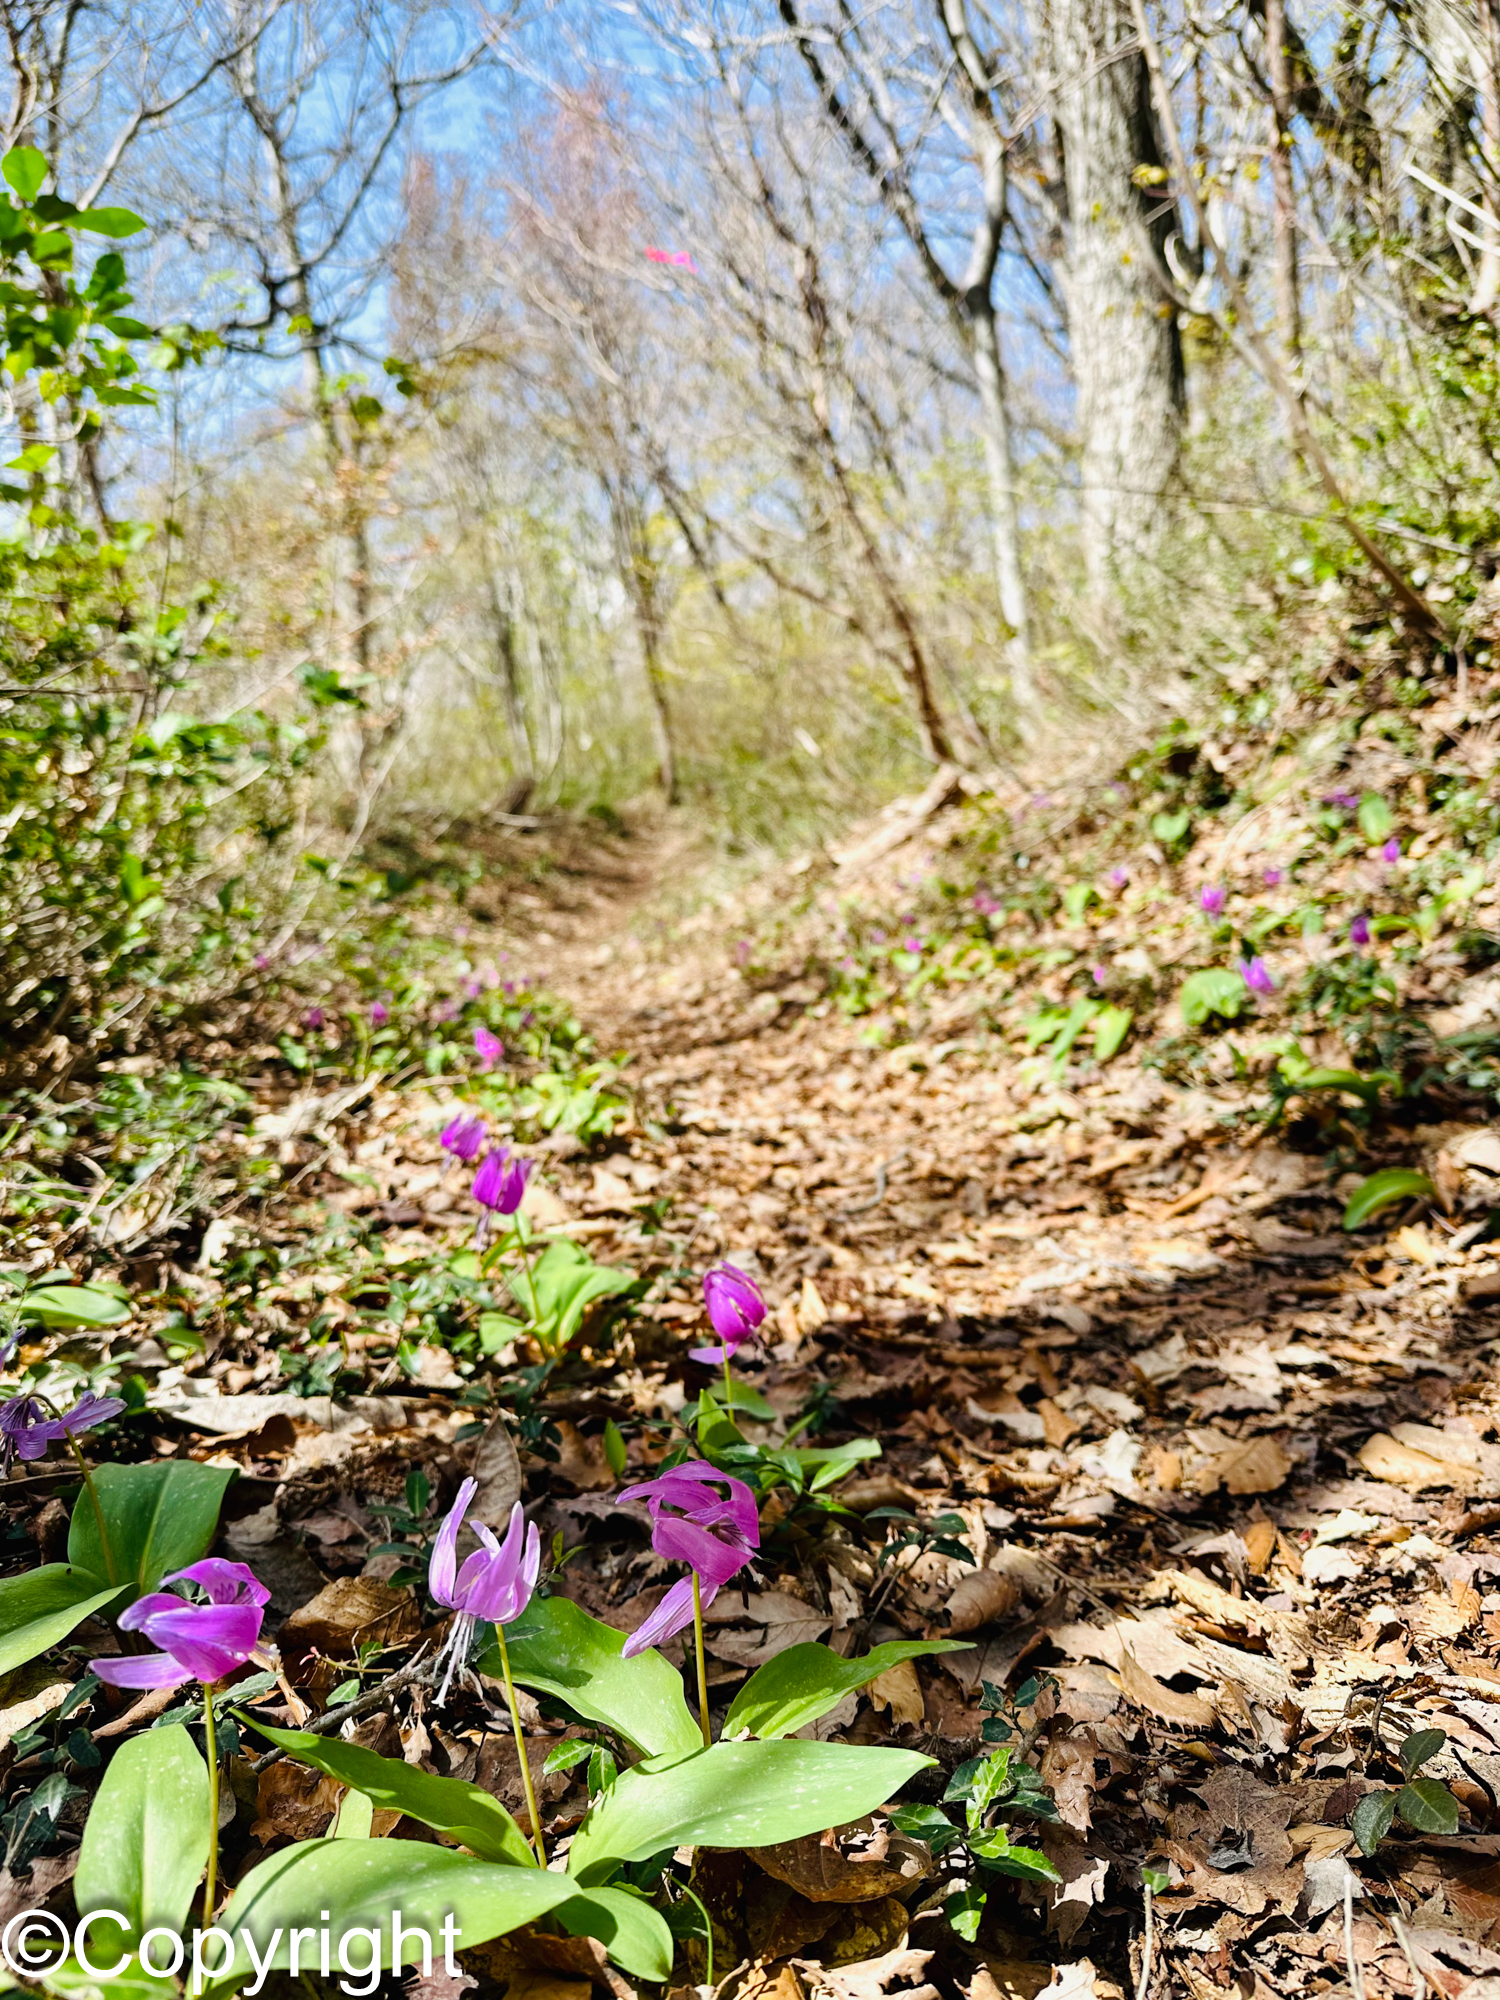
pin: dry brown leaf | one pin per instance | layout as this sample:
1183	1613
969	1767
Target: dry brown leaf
774	1618
293	1802
496	1465
1257	1465
899	1690
28	1693
1008	1979
580	1460
1164	1468
980	1598
1385	1457
1184	1711
1444	1615
1260	1545
344	1615
1057	1426
829	1868
1208	1599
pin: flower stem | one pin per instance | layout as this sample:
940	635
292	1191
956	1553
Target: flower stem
702	1667
728	1389
538	1841
93	1493
211	1748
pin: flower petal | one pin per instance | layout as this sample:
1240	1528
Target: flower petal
672	1615
140	1670
441	1570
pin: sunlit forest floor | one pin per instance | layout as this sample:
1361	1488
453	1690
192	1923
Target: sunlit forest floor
1134	1375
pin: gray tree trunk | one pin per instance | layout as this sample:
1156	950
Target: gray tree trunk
1122	329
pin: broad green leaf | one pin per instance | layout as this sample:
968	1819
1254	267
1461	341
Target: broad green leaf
1110	1029
965	1911
1419	1747
632	1932
1356	1082
355	1818
1391	1184
40	1609
1169	828
161	1517
1212	992
146	1841
466	1813
25	169
74	1305
1428	1806
110	222
558	1648
1029	1864
566	1281
806	1681
1371	1819
368	1883
736	1795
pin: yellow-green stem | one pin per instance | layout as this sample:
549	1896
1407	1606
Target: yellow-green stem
537	1839
211	1751
702	1664
728	1389
93	1493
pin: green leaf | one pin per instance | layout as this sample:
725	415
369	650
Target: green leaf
1028	1864
964	1911
1420	1747
558	1648
736	1795
1391	1184
109	221
574	1750
1169	828
807	1681
1212	992
1375	818
466	1813
74	1305
614	1448
161	1517
146	1841
366	1882
566	1281
1371	1819
929	1823
1110	1029
40	1609
632	1932
1428	1806
1157	1880
25	169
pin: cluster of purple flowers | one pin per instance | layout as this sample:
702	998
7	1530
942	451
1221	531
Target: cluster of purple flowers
500	1181
693	1522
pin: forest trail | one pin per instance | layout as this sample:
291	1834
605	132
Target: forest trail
1212	1453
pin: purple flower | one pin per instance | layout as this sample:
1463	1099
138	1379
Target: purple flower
1118	877
1359	931
1101	973
490	1047
735	1310
473	988
501	1181
1257	975
261	961
26	1431
463	1137
1212	900
447	1010
1040	801
200	1642
692	1522
1272	877
1348	800
1390	854
986	904
495	1583
742	950
379	1013
314	1018
913	944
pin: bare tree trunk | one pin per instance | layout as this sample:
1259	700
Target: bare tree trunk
634	565
1005	512
502	608
1122	330
1487	283
1283	189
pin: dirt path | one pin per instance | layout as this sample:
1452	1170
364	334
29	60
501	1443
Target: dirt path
1214	1459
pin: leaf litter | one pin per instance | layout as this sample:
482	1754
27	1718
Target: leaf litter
1220	1482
